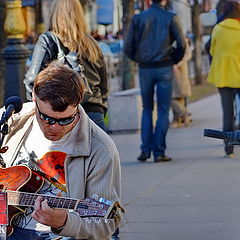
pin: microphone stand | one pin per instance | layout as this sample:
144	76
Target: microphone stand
12	105
3	131
3	215
3	195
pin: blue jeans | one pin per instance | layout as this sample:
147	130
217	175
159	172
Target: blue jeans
155	139
98	118
237	106
26	234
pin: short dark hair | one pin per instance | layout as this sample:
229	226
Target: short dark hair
59	85
158	1
231	9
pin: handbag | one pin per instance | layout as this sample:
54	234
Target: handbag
71	59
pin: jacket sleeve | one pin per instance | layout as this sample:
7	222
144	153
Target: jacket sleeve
177	34
103	179
188	54
130	45
41	56
213	42
104	82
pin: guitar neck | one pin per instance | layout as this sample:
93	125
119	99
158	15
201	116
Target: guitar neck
87	207
28	200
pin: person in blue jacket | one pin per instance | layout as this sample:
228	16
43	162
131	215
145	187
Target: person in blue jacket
150	43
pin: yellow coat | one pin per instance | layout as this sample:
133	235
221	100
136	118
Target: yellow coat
225	50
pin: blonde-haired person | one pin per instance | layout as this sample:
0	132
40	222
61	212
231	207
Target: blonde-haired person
67	22
224	71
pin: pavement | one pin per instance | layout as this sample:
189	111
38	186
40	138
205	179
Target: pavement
194	197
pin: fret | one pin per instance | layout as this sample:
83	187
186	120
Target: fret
73	204
22	199
27	199
60	203
51	201
66	203
69	203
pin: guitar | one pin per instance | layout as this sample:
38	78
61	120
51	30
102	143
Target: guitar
22	185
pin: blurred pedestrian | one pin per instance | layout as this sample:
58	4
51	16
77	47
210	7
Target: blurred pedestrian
119	34
181	90
96	35
150	44
225	66
68	23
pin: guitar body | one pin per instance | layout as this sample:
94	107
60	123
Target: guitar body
19	178
22	186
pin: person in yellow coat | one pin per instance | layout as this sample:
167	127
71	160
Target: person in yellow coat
224	71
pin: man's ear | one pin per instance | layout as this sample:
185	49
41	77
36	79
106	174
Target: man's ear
33	96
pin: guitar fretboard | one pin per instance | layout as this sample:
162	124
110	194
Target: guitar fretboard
28	200
87	207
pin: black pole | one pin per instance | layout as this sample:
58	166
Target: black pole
15	55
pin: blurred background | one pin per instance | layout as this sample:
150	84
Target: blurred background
21	22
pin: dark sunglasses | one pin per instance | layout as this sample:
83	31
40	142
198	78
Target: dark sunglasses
51	121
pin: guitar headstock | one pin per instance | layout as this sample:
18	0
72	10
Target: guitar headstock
97	207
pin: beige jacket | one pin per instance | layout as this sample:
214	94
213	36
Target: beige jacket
181	82
93	168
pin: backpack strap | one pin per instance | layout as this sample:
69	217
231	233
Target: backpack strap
72	60
61	55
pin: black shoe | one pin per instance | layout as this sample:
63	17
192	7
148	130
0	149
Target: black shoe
115	235
143	156
162	158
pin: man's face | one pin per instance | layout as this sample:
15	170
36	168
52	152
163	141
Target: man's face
163	3
46	115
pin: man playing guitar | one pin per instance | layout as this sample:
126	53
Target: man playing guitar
54	137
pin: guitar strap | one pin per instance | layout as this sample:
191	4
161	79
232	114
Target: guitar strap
34	167
52	180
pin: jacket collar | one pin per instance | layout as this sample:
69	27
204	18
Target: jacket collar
83	141
156	5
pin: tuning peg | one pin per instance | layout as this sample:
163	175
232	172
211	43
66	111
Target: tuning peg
95	197
106	220
102	200
108	202
88	219
97	219
85	212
